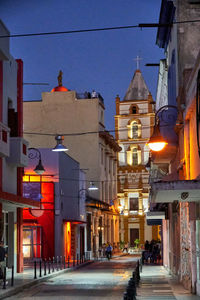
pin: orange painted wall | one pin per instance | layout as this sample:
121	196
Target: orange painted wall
190	145
67	239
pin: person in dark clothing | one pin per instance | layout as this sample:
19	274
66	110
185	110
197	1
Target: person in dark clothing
3	255
109	251
146	246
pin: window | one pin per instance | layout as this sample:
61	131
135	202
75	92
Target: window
32	242
133	202
135	157
134	130
134	110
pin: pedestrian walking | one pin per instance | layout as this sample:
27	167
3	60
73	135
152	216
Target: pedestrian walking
125	248
109	251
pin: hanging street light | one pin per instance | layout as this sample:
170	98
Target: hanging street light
92	187
39	169
157	142
59	147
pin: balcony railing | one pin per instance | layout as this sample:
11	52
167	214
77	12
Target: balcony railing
87	95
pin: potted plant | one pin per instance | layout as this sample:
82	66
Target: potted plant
136	242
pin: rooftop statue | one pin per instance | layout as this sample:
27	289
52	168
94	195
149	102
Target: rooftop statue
60	78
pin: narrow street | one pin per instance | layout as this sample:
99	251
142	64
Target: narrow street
103	279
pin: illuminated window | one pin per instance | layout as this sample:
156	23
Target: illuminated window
133	202
135	157
134	130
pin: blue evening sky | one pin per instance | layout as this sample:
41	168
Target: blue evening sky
103	61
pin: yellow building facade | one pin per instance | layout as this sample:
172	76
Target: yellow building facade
134	123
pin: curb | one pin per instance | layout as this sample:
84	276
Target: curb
15	290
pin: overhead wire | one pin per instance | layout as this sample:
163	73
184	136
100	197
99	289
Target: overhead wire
142	25
91	132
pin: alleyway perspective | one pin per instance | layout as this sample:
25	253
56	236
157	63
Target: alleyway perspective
108	280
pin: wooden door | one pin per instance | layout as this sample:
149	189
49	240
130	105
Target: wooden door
134	234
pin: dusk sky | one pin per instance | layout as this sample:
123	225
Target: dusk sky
103	61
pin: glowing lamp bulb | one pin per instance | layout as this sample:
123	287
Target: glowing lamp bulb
157	146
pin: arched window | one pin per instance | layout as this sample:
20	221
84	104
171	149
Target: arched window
135	157
134	109
134	130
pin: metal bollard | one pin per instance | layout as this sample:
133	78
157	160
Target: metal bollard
45	267
64	262
57	261
130	294
40	268
53	261
4	278
35	270
140	264
49	265
138	271
126	296
12	278
132	286
60	262
68	262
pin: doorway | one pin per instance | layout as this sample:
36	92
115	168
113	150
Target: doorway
32	242
134	234
82	243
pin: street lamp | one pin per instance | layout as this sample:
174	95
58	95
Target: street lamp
91	187
59	147
157	142
39	169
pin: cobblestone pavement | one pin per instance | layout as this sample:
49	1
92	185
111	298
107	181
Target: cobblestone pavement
102	279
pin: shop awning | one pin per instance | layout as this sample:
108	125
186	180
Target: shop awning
18	200
170	191
155	217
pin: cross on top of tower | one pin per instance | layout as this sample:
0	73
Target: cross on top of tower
137	59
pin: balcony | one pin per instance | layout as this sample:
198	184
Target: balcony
18	152
4	140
